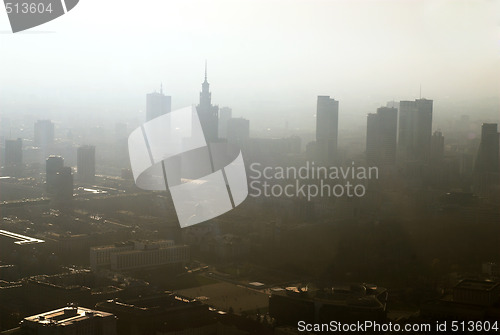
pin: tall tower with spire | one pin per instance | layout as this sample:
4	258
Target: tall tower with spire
208	113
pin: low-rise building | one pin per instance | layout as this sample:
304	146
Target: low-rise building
345	303
472	299
134	255
68	320
476	292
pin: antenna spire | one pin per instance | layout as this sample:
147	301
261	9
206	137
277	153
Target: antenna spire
205	70
161	88
420	91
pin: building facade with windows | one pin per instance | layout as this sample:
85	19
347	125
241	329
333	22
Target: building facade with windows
134	255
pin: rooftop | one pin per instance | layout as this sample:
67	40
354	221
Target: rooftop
154	304
137	245
20	239
479	285
65	316
365	295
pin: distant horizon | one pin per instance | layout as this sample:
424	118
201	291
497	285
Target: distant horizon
265	60
352	115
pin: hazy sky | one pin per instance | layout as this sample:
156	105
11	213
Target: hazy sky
266	59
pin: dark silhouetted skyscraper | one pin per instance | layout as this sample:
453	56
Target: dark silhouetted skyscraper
85	161
64	184
157	104
238	130
415	129
437	147
327	124
44	133
486	169
53	165
225	113
372	134
407	110
14	157
381	135
208	113
59	179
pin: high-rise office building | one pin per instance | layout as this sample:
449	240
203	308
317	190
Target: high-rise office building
44	133
415	129
208	113
437	147
59	179
486	169
225	113
238	130
327	118
392	104
85	161
406	116
54	164
157	104
64	184
372	133
14	157
424	128
381	136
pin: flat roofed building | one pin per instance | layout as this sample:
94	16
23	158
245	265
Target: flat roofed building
101	256
477	292
327	124
85	156
157	104
381	135
69	320
415	129
136	259
472	299
12	244
53	165
167	311
486	167
14	157
20	239
345	303
132	255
